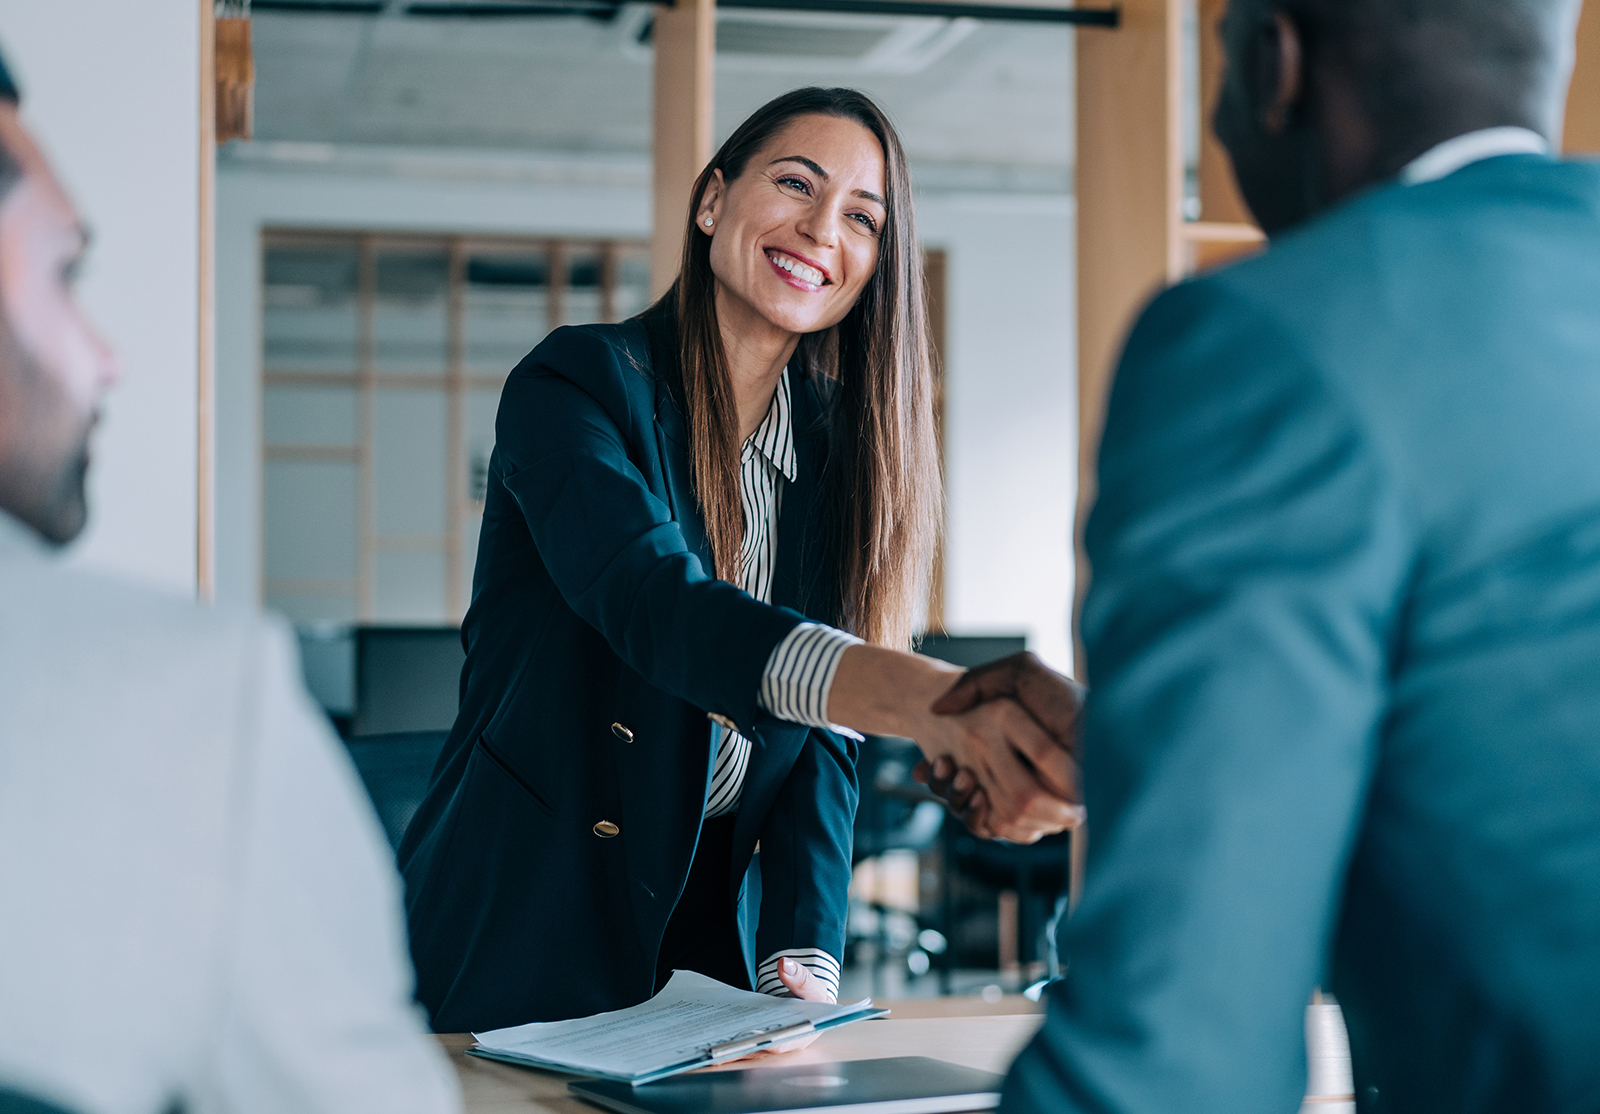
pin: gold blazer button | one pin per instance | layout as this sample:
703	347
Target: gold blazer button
606	829
723	720
622	732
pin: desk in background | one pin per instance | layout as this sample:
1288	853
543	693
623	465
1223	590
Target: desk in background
950	1029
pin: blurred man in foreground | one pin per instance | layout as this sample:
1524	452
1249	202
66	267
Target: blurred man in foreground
1344	630
197	909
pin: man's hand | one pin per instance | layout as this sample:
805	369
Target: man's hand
1053	701
1029	782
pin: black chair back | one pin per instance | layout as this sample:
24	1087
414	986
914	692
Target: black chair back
894	812
407	679
396	770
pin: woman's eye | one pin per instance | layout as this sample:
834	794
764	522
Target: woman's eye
866	221
796	183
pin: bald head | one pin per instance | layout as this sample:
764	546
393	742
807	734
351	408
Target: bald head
1324	97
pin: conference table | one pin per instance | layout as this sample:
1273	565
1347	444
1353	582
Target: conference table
966	1031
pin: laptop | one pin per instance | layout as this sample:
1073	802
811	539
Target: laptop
902	1085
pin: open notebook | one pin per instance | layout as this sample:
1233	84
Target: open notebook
693	1022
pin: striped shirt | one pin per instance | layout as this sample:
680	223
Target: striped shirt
799	672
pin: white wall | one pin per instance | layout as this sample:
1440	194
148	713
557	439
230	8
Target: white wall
111	89
1011	414
1011	438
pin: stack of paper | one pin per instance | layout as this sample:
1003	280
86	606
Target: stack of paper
693	1022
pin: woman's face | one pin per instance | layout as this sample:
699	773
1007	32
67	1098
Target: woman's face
794	238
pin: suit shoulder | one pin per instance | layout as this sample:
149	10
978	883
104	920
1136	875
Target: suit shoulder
610	362
1365	261
140	678
1314	287
147	629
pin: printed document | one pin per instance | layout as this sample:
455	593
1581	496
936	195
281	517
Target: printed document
679	1029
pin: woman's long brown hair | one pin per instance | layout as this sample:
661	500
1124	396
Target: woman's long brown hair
881	482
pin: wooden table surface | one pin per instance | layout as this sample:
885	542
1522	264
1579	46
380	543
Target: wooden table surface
959	1030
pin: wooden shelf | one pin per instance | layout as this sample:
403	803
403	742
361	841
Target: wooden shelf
1210	244
1216	232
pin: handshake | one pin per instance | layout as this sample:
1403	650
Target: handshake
1001	741
1011	771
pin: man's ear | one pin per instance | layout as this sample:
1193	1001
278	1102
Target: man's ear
1280	72
711	204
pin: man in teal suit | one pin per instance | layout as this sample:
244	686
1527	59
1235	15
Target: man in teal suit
1344	632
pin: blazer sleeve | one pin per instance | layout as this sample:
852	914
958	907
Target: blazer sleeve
805	851
571	418
1250	548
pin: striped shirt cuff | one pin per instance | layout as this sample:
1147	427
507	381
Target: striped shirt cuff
819	963
799	674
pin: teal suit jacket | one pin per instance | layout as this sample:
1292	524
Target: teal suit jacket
1344	646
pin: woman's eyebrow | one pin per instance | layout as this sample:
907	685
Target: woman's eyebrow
805	162
824	175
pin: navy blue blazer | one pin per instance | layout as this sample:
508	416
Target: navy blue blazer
597	645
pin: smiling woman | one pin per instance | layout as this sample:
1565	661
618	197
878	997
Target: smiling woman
692	521
802	243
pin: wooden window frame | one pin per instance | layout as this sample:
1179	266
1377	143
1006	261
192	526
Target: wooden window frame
452	379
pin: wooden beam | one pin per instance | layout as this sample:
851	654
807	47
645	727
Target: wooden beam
205	454
456	576
1220	200
1208	245
685	58
1583	102
1130	200
935	283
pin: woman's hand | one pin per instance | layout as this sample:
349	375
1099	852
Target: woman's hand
800	982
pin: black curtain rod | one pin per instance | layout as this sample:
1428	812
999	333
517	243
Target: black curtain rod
1082	17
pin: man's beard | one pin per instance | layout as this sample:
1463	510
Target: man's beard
46	462
63	514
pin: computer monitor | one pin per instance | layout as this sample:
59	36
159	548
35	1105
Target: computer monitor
407	679
971	651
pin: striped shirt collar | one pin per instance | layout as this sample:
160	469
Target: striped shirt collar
774	438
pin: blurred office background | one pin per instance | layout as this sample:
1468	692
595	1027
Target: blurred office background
426	195
446	188
430	188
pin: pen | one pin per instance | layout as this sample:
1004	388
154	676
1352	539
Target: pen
739	1046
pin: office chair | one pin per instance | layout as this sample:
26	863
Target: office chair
396	770
407	679
1037	873
15	1102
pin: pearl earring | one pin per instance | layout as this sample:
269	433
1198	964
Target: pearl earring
709	222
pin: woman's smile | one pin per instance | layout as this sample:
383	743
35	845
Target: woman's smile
798	271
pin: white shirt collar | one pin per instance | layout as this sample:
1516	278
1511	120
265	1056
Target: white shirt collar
1464	150
774	438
